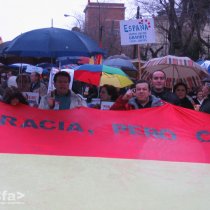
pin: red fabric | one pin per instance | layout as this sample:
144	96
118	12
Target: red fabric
84	60
88	77
98	59
168	133
121	104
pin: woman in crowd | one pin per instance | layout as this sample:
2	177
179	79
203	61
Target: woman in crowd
23	82
108	93
13	96
180	89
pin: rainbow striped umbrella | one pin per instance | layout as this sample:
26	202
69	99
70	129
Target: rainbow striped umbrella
177	69
101	74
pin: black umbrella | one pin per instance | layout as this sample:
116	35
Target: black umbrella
120	63
123	62
53	42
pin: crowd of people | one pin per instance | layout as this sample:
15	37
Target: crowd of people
143	94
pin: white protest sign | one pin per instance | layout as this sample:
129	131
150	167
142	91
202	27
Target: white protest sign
139	31
31	68
106	105
95	102
32	98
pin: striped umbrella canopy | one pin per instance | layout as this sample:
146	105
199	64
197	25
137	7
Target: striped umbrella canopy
100	75
177	69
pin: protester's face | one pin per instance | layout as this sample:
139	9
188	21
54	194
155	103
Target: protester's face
200	95
23	84
2	80
158	80
34	77
181	92
9	74
206	90
14	101
104	96
3	77
45	77
62	85
142	92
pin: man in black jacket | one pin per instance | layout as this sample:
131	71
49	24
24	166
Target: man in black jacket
205	106
159	90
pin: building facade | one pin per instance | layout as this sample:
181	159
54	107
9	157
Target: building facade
102	24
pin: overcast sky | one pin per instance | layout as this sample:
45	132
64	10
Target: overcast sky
19	16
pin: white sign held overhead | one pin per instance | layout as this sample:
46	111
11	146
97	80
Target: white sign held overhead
31	68
139	31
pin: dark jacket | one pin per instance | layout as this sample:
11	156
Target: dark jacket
186	103
167	96
131	104
196	101
205	106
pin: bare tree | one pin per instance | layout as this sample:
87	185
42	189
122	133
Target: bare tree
182	20
155	53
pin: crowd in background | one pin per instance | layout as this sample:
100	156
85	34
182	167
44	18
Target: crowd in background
143	94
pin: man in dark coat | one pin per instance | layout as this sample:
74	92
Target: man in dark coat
158	81
205	106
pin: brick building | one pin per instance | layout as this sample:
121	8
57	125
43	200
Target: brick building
102	24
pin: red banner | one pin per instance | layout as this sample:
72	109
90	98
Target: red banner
167	133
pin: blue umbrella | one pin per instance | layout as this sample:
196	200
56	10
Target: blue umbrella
206	65
10	59
78	60
53	42
3	47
